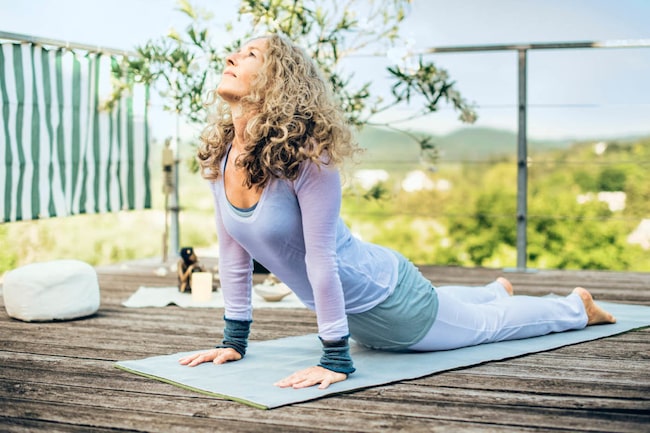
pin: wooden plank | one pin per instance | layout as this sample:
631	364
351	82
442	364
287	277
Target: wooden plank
15	425
159	413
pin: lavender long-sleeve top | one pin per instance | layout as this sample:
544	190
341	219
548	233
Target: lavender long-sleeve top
296	232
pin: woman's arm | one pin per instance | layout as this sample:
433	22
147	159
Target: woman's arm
318	190
235	274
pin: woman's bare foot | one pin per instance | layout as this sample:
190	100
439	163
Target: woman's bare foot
506	285
595	314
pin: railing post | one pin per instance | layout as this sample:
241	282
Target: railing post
174	234
522	166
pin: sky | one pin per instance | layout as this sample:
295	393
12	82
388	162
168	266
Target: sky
585	93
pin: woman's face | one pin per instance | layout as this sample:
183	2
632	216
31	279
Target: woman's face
241	69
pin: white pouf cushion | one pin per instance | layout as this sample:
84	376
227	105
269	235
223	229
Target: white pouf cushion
56	290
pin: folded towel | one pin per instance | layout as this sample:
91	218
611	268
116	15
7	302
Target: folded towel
163	296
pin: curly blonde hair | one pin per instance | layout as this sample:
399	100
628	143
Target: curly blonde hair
295	118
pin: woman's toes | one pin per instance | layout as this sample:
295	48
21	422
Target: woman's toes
595	314
506	285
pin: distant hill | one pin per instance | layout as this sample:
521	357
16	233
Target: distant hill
385	145
486	143
466	144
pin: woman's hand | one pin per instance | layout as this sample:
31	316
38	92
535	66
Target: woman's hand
310	377
218	356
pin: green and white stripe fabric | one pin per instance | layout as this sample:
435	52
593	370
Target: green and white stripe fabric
60	152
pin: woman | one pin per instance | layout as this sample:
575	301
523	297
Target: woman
271	155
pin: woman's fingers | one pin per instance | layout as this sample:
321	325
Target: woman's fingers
226	355
311	376
325	383
301	379
218	356
197	358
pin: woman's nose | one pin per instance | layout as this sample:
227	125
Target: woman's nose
230	59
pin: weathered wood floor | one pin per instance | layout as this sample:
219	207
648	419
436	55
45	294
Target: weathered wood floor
61	376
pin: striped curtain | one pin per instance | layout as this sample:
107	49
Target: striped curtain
60	152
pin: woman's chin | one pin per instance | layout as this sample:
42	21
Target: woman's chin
228	95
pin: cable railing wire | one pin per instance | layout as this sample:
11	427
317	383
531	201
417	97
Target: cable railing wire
434	215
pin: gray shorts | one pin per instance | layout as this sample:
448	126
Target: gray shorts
403	318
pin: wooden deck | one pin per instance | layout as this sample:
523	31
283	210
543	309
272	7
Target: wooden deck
61	376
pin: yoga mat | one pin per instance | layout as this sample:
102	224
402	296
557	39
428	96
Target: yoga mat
251	379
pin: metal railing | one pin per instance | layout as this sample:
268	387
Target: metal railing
64	44
522	136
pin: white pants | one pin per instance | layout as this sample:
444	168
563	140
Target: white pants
473	315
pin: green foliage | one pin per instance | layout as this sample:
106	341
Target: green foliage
474	223
431	83
483	220
612	179
585	180
637	185
565	234
180	65
376	192
186	65
9	258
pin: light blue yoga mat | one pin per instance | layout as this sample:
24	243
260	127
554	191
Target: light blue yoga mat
250	380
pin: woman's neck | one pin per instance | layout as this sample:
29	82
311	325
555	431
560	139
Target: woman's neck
239	122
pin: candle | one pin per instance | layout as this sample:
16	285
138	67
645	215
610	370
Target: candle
201	287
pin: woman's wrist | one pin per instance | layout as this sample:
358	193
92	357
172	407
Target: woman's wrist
235	335
336	356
